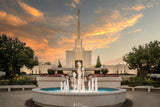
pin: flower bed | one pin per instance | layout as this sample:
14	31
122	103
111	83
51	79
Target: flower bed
18	80
102	75
138	81
55	75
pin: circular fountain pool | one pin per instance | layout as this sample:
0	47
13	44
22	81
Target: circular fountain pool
103	97
71	90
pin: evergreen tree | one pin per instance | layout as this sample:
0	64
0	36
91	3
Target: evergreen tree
60	66
98	65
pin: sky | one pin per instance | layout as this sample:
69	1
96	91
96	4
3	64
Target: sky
110	28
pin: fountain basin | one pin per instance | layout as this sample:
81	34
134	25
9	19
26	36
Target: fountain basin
42	96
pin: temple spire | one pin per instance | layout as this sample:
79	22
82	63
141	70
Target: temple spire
78	40
78	25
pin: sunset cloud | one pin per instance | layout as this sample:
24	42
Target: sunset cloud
137	30
112	26
65	20
10	19
138	8
100	10
77	1
100	36
151	5
45	40
93	43
30	10
74	3
44	51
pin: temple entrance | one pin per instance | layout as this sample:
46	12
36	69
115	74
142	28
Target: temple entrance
76	65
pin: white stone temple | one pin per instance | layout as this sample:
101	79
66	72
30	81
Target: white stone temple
78	53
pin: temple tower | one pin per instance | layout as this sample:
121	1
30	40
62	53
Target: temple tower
78	53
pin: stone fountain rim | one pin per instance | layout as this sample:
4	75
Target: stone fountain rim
118	91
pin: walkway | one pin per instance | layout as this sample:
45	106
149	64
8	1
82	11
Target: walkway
134	99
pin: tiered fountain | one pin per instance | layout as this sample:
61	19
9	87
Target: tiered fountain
78	84
78	94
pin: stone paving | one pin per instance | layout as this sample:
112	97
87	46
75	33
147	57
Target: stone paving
134	99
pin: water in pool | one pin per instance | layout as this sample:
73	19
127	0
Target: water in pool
71	89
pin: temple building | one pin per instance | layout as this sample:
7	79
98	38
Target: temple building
78	53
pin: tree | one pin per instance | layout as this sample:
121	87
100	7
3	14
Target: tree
157	70
36	61
144	58
14	54
47	63
98	65
60	66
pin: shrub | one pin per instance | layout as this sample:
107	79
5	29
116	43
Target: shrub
156	84
51	72
105	71
135	81
60	72
22	73
4	82
97	72
12	82
138	80
132	84
20	80
124	82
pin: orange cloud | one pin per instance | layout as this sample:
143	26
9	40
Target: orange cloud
142	7
11	19
77	1
30	10
97	36
100	37
99	43
43	50
67	41
45	40
137	30
112	26
151	5
73	5
138	8
62	21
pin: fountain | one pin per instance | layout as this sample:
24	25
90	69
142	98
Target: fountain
91	96
78	85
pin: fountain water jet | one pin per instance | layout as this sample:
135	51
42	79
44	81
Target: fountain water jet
79	86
